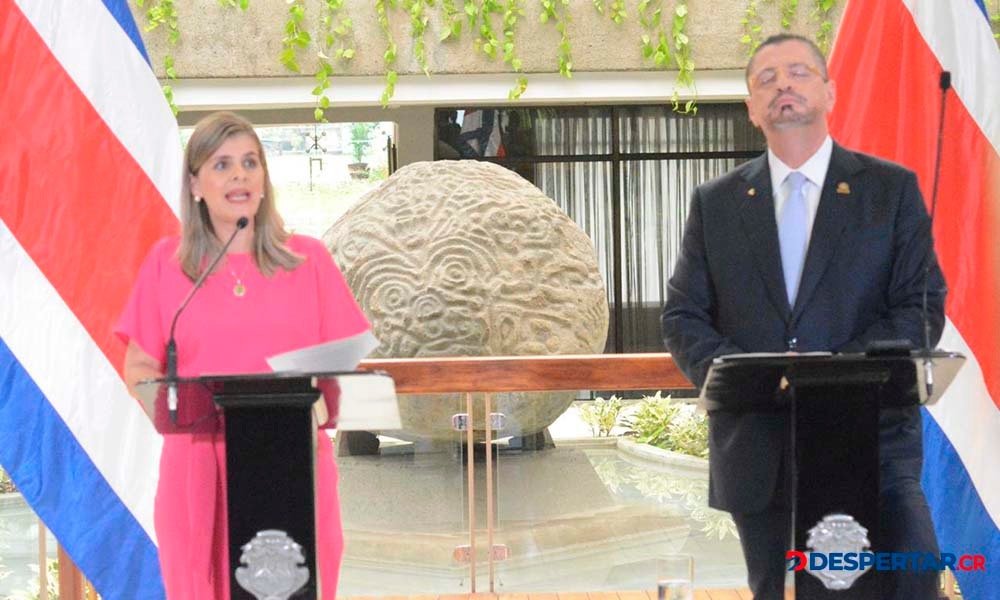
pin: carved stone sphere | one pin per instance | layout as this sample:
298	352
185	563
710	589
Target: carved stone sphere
467	258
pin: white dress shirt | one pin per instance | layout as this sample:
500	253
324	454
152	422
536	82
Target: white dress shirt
814	169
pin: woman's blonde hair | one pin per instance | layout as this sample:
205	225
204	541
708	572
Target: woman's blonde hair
199	241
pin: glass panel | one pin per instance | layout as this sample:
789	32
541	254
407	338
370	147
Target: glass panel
716	128
583	190
19	527
578	513
655	195
522	132
318	171
404	502
329	167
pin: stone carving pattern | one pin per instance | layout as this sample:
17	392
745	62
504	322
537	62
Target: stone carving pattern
466	258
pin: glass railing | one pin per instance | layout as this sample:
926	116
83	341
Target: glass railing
552	508
481	492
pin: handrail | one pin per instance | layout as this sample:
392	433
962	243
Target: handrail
532	373
501	374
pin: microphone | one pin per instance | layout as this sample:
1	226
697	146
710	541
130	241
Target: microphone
944	83
171	342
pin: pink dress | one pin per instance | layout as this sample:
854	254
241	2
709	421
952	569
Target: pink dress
220	333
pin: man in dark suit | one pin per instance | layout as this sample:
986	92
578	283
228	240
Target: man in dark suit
811	247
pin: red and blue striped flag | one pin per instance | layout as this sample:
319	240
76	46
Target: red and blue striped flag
90	165
887	61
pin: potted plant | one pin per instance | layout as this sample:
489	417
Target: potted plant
361	140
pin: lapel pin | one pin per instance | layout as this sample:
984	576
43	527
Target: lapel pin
752	192
843	188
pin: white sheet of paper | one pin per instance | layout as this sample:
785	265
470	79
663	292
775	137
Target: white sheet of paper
368	403
338	355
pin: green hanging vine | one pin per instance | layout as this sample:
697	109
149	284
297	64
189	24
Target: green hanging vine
665	48
658	52
753	25
164	13
334	36
389	56
513	11
789	8
682	58
452	21
995	20
823	13
487	41
557	11
617	10
417	9
296	37
336	32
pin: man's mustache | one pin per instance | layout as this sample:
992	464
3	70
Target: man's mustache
783	95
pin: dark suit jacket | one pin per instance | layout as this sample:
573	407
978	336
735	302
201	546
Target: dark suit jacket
862	281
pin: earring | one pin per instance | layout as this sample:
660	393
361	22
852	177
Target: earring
262	196
197	198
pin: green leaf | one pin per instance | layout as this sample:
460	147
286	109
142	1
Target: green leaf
324	102
392	77
318	114
348	53
681	10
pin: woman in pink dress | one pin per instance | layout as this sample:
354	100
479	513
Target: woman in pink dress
272	293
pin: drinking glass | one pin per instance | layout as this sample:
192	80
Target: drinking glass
675	577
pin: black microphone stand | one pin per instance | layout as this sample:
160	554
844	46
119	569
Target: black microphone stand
171	376
945	84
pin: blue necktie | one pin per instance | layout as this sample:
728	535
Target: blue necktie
792	233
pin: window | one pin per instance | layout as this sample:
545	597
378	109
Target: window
319	171
624	174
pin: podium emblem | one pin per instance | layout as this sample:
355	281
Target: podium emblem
838	533
272	568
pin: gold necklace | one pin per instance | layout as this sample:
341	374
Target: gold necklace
239	290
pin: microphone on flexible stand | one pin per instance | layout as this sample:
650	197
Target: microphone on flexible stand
944	83
171	376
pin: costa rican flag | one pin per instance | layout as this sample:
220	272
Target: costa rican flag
887	61
90	165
